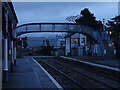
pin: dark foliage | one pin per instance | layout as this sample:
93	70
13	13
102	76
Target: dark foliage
46	50
88	18
113	26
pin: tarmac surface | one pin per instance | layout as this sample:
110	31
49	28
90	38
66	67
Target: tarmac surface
98	60
28	74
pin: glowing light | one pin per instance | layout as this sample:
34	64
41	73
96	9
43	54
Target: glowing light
109	44
110	32
82	40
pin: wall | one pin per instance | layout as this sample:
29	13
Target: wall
0	45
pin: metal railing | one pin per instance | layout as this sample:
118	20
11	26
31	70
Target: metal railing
101	45
63	27
54	27
46	27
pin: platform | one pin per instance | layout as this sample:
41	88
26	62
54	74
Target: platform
97	60
29	74
113	65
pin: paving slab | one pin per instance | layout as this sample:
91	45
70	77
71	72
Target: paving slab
28	74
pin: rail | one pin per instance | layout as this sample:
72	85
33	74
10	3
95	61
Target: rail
54	27
101	45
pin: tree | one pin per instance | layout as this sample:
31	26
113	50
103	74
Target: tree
88	18
113	25
72	18
46	50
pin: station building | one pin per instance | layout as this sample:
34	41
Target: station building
81	45
7	39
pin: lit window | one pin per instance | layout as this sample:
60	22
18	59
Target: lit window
74	40
109	44
88	48
82	40
110	32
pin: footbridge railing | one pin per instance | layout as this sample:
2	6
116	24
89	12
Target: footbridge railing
109	44
45	27
61	27
54	27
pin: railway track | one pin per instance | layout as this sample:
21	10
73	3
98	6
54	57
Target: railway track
92	76
72	83
110	74
82	78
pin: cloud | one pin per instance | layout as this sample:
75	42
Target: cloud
57	12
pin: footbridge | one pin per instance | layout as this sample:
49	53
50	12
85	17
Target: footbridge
105	43
55	27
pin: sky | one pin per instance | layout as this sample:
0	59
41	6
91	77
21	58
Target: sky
46	12
28	12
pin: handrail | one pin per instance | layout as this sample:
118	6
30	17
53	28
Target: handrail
100	39
47	24
101	47
54	27
112	48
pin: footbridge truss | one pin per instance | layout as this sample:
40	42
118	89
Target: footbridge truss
69	28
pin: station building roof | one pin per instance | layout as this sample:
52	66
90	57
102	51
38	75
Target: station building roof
10	9
13	11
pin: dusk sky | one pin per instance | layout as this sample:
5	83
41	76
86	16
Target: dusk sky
57	12
32	12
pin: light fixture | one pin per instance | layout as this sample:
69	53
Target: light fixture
109	44
112	43
110	32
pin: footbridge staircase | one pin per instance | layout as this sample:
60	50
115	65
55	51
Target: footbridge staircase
102	38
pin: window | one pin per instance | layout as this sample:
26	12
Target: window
76	40
82	40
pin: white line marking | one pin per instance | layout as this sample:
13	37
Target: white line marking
93	64
53	80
